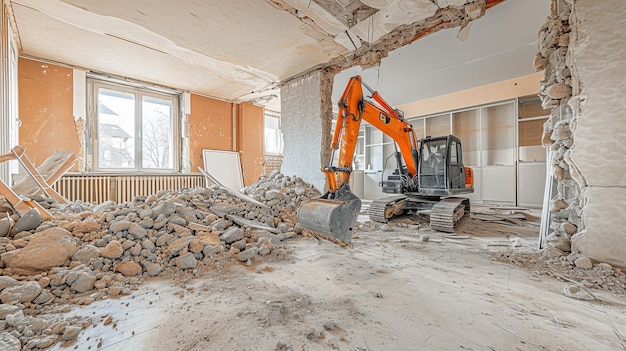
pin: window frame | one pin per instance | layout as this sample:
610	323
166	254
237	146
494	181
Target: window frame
93	88
279	138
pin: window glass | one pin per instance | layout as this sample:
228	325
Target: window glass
273	135
134	128
157	141
116	129
453	153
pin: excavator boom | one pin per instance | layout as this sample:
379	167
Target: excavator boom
335	212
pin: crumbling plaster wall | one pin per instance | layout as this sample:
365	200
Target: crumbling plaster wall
306	116
48	125
250	124
210	127
46	110
583	52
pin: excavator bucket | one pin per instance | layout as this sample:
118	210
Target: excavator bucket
332	218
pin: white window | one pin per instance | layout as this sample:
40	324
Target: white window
273	134
133	129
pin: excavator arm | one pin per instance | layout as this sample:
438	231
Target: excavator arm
355	107
334	214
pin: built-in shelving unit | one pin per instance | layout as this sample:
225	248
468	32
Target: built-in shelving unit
501	142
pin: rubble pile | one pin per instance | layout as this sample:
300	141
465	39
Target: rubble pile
94	252
573	268
281	192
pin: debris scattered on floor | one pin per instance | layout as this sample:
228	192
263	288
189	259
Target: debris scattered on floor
586	274
95	252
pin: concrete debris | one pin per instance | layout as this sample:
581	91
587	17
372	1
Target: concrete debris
93	252
584	263
576	292
30	220
572	268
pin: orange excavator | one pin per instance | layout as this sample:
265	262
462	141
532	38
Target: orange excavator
429	173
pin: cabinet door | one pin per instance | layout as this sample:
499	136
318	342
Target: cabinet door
532	182
497	135
499	184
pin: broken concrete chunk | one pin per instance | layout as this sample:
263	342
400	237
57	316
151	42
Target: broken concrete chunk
221	224
6	224
178	245
9	342
46	249
119	226
7	282
576	292
247	254
86	253
137	231
584	263
104	206
70	333
112	250
186	261
232	234
87	226
84	282
153	269
165	208
129	269
28	221
25	292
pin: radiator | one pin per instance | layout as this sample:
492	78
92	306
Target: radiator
93	189
100	188
127	187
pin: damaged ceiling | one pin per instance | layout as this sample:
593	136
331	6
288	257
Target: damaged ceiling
231	50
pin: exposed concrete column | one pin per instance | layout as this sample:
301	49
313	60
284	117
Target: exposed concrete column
306	121
585	64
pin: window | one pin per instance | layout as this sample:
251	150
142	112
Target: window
273	135
134	129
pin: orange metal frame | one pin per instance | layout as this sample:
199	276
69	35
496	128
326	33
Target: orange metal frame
353	109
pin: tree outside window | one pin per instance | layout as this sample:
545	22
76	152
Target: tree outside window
134	129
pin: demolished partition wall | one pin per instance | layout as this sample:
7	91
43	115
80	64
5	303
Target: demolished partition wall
46	111
583	49
306	121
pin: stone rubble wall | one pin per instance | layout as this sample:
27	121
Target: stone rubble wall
556	94
583	54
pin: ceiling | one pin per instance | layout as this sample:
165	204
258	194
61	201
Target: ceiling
231	50
501	45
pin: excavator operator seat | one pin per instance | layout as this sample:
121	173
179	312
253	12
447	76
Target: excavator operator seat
432	170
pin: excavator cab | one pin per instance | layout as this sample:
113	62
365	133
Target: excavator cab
440	167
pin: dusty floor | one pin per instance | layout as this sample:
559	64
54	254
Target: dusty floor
390	291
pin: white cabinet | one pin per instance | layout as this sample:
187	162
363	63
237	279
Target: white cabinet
371	189
531	184
499	185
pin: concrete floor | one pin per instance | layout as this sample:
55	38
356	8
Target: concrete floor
391	291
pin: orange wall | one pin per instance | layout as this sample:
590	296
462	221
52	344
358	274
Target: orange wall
45	109
210	127
250	120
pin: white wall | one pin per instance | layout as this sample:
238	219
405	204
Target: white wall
502	45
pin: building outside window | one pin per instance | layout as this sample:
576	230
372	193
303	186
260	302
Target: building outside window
133	129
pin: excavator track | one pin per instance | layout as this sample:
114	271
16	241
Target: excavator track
383	209
449	213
